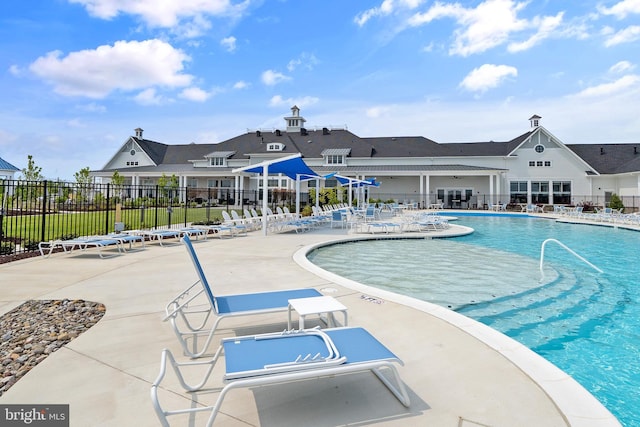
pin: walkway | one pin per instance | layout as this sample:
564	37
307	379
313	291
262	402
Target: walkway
105	374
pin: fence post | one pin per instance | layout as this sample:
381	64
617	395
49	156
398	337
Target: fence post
106	217
186	205
43	223
208	209
155	225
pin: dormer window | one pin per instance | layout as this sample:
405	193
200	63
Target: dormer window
217	161
219	158
275	146
336	156
335	159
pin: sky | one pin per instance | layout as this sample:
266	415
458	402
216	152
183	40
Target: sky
78	76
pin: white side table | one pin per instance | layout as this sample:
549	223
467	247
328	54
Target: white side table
316	305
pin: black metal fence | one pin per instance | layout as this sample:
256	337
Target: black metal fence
33	212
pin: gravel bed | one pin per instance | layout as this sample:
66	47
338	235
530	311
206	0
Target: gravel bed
37	328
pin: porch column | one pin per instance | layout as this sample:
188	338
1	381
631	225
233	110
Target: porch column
236	185
551	192
498	193
491	197
183	180
241	180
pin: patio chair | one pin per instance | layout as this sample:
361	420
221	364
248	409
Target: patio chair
82	244
180	310
237	226
266	359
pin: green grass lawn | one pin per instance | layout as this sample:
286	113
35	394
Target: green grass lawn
58	225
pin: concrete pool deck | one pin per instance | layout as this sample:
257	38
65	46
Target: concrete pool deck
457	371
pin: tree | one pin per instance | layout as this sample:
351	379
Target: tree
168	185
616	202
116	179
83	179
32	172
82	176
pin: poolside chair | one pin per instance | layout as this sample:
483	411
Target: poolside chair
82	244
265	359
181	310
237	226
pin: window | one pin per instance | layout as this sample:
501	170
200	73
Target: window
274	183
330	183
275	146
193	183
225	183
539	148
518	190
212	183
562	192
335	159
540	192
532	163
217	161
547	163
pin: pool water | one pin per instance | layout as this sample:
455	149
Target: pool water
585	322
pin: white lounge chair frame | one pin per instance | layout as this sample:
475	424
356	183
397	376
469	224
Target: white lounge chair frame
186	308
368	355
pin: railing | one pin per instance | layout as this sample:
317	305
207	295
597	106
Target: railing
37	211
571	251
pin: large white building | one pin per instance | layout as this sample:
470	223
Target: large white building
534	167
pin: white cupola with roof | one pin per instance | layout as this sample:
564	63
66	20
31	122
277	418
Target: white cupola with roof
138	132
295	122
535	120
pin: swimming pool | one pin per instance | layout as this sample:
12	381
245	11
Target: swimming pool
584	322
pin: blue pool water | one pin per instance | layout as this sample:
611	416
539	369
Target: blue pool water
585	322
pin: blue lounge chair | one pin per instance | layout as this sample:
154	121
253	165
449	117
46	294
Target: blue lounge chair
181	310
288	356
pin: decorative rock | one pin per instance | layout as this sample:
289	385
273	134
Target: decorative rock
36	329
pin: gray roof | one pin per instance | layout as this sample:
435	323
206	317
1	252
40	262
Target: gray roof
609	158
604	158
6	166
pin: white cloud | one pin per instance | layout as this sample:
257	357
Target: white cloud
229	43
622	85
621	67
376	112
306	60
279	101
487	76
92	108
628	35
546	28
149	97
15	70
621	9
195	94
124	66
271	78
385	8
165	13
241	85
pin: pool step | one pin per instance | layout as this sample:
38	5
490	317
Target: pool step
555	313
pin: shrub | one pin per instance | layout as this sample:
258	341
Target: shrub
30	245
616	202
6	248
